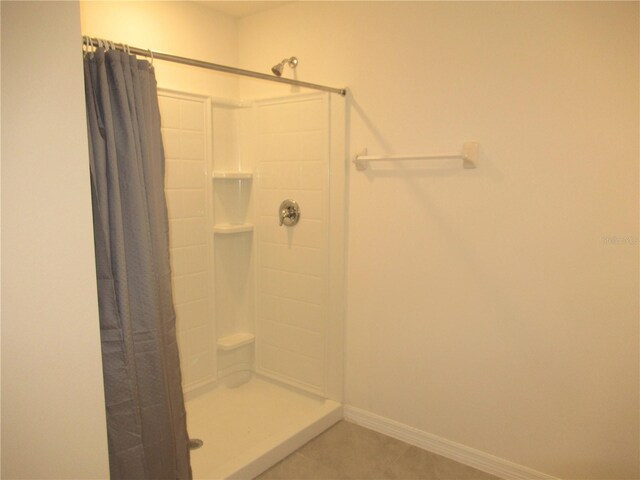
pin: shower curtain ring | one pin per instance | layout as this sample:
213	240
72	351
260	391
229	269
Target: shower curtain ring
90	48
151	55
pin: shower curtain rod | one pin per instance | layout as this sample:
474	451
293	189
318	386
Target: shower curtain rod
212	66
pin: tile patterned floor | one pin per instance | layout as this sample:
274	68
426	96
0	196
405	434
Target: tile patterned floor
348	451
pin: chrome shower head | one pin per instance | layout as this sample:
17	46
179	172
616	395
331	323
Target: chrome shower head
277	69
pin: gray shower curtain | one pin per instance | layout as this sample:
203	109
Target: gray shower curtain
146	419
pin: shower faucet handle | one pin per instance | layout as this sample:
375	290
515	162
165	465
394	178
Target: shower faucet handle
289	213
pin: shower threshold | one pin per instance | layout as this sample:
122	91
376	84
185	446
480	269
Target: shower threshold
250	427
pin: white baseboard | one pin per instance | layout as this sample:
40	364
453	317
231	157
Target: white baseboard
455	451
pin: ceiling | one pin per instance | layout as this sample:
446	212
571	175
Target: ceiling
239	9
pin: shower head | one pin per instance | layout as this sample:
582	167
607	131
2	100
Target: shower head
277	69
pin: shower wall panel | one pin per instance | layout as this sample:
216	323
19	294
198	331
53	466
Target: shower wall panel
293	162
185	123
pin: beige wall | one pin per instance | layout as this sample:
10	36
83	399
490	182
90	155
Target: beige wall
485	306
53	418
180	28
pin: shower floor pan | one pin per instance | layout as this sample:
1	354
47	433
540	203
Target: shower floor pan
250	427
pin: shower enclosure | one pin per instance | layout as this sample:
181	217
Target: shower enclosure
259	303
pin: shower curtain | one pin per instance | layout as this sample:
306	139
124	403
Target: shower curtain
146	419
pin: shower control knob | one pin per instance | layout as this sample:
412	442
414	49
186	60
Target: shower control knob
289	213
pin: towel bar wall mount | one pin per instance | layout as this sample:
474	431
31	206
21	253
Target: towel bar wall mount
469	157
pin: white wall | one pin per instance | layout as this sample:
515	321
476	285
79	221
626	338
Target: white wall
53	417
292	161
180	28
185	131
485	306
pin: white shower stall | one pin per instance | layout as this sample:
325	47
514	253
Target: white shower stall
258	304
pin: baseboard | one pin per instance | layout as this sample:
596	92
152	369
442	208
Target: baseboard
455	451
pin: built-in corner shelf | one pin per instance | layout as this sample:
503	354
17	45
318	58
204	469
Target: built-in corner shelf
229	229
236	340
232	175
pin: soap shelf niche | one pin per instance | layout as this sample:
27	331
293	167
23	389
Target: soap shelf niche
237	340
227	229
231	179
229	175
232	201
